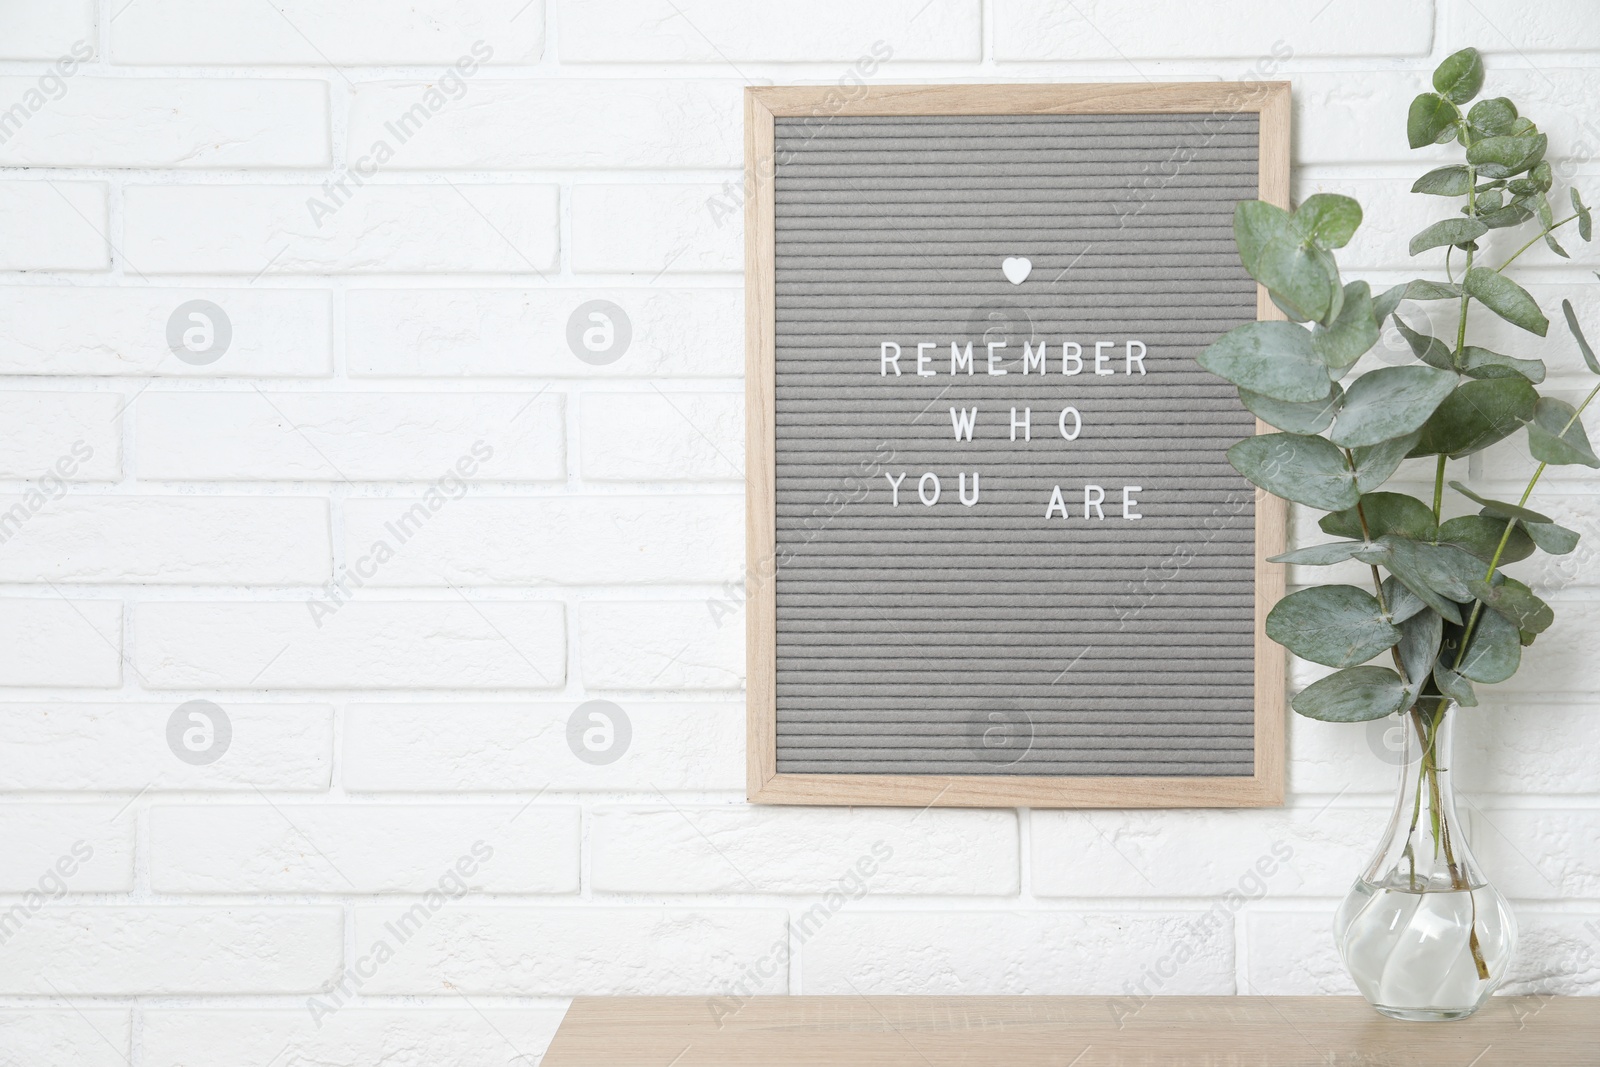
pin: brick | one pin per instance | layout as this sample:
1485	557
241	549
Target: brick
1250	854
464	948
365	644
662	437
893	953
45	31
470	1037
493	748
724	31
73	436
1500	26
824	851
59	642
189	948
123	748
655	228
192	540
271	333
1537	854
167	122
365	848
543	124
454	438
658	645
296	229
1293	953
1261	30
55	849
305	33
51	1037
51	225
522	333
607	540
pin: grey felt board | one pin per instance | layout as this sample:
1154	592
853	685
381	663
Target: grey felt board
949	639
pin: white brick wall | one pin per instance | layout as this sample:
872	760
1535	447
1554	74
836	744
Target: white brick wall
367	318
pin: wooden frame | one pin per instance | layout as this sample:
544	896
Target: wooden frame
765	785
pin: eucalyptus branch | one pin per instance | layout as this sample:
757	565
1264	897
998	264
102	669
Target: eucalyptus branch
1554	226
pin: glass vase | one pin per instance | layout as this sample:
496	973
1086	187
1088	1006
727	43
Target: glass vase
1422	932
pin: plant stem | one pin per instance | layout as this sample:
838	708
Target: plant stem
1438	491
1554	226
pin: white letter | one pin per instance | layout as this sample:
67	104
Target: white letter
925	361
1101	361
1132	359
1077	423
994	366
1026	424
964	499
963	419
922	489
1071	350
1056	502
1128	503
894	485
1093	497
1031	360
959	359
885	360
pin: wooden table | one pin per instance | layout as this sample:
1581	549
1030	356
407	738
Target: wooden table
854	1031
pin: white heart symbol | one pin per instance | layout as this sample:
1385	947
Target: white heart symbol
1016	269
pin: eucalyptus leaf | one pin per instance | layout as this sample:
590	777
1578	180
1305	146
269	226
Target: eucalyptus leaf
1499	508
1307	470
1422	289
1445	569
1454	686
1556	435
1278	253
1307	418
1390	402
1255	223
1431	350
1355	694
1419	646
1494	651
1330	220
1551	538
1352	334
1375	463
1335	625
1383	305
1444	181
1503	156
1459	77
1319	555
1476	415
1397	554
1481	363
1386	513
1519	604
1448	232
1492	116
1577	335
1585	220
1537	180
1513	214
1403	603
1507	299
1480	536
1273	359
1431	119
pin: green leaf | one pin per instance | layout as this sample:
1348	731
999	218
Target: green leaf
1479	535
1352	334
1448	232
1499	508
1403	603
1431	350
1481	363
1454	686
1375	463
1313	417
1384	304
1577	335
1556	435
1422	289
1419	646
1503	156
1444	181
1335	625
1538	180
1551	538
1507	299
1585	220
1255	223
1273	359
1319	555
1390	402
1405	562
1493	116
1386	513
1460	76
1330	220
1355	694
1307	470
1430	120
1475	416
1513	214
1445	569
1519	604
1494	651
1278	252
